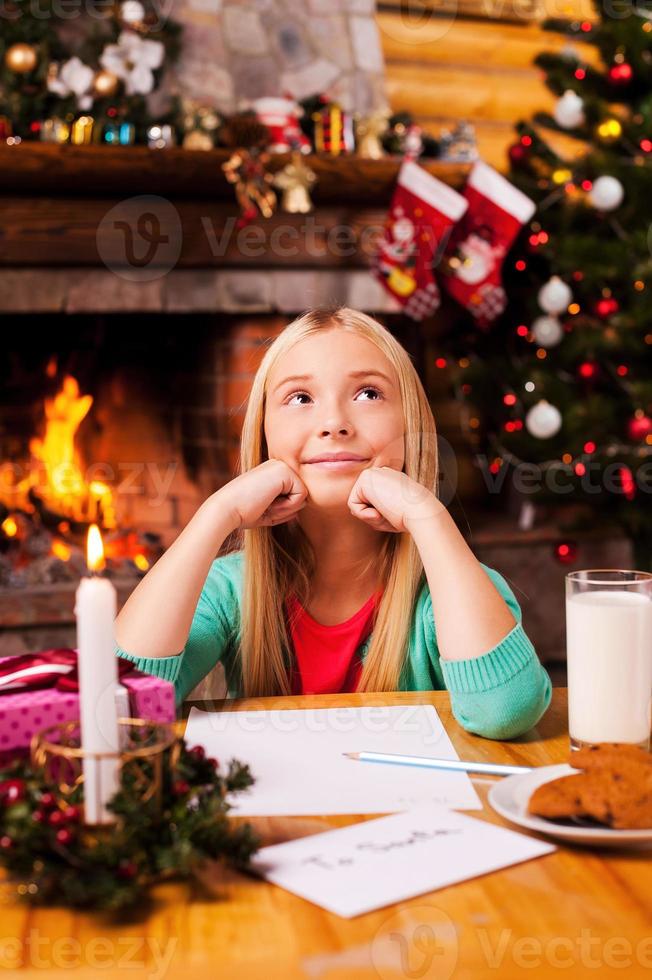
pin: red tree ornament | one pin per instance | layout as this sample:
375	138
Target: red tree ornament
606	307
566	552
627	482
518	154
621	74
639	427
587	370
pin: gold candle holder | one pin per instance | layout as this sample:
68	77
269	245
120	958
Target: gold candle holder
57	751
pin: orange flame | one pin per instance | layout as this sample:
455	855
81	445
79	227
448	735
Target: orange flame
59	480
10	527
56	450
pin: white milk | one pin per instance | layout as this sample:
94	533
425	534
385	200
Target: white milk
609	654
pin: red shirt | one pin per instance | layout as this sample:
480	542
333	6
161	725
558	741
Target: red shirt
325	655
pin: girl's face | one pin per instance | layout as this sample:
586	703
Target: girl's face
329	411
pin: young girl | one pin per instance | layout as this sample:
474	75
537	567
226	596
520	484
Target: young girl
351	575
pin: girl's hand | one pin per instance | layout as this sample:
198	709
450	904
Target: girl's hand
388	499
271	493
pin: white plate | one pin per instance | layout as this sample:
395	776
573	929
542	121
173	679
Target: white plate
510	795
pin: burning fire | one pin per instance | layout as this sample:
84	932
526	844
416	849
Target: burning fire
58	478
55	494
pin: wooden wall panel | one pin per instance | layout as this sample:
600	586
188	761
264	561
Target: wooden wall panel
462	67
460	42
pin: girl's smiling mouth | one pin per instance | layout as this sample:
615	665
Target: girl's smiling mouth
337	464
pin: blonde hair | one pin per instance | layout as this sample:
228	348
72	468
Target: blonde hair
280	559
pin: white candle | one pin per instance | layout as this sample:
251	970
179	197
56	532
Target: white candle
95	610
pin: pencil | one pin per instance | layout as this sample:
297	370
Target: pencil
456	765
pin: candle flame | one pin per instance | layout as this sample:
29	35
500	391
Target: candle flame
94	549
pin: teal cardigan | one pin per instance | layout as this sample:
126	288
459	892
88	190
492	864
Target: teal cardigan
499	695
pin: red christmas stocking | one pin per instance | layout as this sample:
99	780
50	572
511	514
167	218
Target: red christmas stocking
496	211
420	219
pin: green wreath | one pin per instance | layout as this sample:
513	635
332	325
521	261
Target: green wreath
52	858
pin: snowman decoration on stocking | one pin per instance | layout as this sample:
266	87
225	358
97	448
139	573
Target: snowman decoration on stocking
397	255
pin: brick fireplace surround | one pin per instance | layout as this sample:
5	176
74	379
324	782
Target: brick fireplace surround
169	357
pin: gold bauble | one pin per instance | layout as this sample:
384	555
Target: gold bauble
562	175
609	130
105	83
21	58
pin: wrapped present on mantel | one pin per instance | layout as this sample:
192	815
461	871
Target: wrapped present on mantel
42	689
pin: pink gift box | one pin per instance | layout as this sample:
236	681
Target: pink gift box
22	713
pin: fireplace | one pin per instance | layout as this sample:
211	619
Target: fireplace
130	418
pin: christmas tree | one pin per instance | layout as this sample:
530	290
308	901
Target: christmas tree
83	79
557	392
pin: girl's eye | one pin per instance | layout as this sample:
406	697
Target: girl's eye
366	388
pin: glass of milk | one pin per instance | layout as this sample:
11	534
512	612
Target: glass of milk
609	656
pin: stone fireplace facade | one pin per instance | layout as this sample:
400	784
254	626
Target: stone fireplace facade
238	51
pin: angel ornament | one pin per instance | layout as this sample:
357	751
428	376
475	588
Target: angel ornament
369	131
295	180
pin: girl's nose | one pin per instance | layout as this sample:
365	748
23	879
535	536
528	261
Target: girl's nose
340	427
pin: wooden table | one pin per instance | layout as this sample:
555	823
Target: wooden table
578	912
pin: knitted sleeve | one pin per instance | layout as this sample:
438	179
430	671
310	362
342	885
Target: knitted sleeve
210	634
501	693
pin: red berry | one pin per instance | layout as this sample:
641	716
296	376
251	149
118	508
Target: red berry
197	752
65	836
38	816
6	842
72	813
213	762
127	869
48	799
12	790
56	818
180	787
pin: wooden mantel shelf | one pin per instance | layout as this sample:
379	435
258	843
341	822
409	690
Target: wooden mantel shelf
58	207
50	169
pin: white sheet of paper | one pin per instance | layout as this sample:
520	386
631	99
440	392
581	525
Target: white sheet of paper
372	864
296	757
